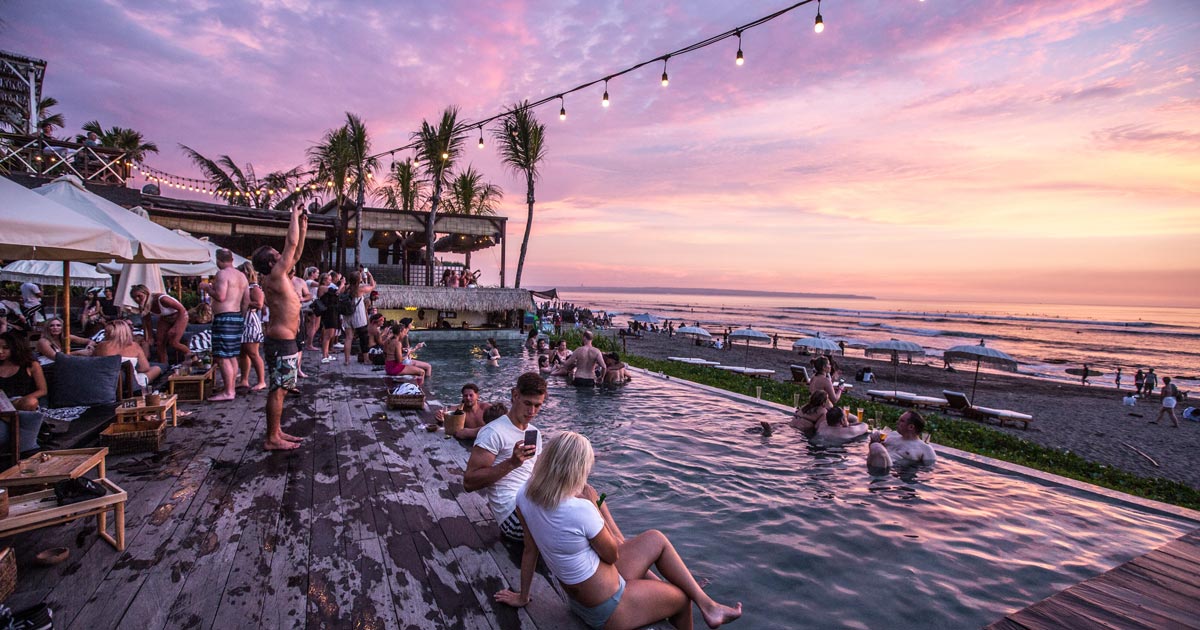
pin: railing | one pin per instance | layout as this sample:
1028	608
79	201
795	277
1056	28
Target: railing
52	158
394	274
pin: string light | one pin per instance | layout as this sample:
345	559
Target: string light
604	101
740	59
665	80
480	136
562	111
819	25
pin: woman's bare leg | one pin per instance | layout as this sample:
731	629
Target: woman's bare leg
244	366
652	548
256	362
347	343
326	342
649	601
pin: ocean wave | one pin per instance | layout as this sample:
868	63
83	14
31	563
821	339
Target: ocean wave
976	317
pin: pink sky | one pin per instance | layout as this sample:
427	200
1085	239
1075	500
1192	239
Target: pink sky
993	150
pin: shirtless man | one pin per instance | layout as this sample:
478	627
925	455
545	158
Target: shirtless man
584	362
305	296
473	410
903	445
280	344
226	291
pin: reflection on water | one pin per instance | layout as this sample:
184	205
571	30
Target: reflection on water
798	531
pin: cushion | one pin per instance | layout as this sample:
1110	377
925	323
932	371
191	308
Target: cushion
80	381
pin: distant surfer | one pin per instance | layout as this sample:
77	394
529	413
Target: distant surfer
1084	378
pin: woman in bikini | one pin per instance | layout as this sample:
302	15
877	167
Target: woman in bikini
172	320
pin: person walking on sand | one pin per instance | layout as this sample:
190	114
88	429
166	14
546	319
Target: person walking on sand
1083	380
226	291
1118	378
1139	382
282	330
606	576
1170	398
1151	382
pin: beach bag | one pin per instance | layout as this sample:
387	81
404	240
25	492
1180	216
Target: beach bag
345	304
318	307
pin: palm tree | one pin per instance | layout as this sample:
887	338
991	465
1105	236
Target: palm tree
521	142
128	140
240	186
469	194
16	116
404	187
438	148
342	159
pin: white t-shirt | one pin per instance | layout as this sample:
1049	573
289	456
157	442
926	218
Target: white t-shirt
498	437
30	294
562	536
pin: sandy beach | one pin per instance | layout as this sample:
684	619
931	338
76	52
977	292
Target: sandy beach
1089	421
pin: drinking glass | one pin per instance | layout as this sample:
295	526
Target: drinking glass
758	392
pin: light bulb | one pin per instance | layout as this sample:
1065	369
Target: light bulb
665	80
562	113
445	155
819	24
740	59
481	140
604	101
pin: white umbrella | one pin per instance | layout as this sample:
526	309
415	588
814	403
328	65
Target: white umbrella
35	228
51	272
894	348
816	343
147	275
207	268
749	334
645	318
980	354
693	330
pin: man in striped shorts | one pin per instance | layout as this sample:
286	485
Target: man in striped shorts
226	290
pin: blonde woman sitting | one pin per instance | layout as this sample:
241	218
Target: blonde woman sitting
53	341
604	575
118	341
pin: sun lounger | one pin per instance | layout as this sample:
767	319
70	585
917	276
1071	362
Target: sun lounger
748	371
694	361
959	402
906	399
800	374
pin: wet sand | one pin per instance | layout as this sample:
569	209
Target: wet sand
1089	421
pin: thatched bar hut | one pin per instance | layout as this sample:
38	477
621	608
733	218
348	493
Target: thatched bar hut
457	309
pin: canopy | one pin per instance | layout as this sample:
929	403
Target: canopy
208	268
693	330
150	241
749	334
645	318
980	354
36	228
51	272
816	343
894	348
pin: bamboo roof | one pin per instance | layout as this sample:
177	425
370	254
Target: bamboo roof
481	300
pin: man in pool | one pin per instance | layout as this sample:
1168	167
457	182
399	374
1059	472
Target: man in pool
904	445
282	331
473	411
587	363
500	461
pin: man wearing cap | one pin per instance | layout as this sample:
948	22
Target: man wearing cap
226	291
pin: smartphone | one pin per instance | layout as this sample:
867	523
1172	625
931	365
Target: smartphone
531	437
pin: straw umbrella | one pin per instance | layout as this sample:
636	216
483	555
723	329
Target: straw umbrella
980	354
894	348
749	334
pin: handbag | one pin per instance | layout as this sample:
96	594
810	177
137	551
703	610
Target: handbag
70	491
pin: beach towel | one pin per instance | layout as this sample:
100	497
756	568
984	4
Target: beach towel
200	342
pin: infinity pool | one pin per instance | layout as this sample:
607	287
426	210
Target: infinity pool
801	534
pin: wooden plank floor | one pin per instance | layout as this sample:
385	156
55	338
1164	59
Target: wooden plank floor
365	526
1156	591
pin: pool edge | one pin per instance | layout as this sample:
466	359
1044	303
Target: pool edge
982	461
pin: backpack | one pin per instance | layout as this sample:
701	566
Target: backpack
345	304
318	307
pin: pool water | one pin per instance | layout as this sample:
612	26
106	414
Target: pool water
801	533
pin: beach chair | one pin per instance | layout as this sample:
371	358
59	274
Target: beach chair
958	401
800	374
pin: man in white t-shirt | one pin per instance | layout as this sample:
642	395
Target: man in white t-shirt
500	461
31	302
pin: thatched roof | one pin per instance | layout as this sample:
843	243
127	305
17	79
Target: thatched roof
453	299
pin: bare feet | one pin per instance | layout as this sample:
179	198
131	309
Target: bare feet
259	387
720	614
222	397
290	438
280	445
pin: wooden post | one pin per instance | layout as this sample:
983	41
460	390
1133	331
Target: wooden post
66	307
503	250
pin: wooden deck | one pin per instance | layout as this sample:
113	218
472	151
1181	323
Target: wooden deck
365	526
1156	591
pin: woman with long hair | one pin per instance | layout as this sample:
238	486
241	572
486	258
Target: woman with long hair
53	341
813	412
252	335
361	285
331	322
603	574
172	320
21	377
823	380
118	341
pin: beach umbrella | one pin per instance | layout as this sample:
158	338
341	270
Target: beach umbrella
749	334
818	343
51	272
980	354
206	268
894	348
645	318
35	228
695	331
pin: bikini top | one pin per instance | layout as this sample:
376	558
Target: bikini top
163	310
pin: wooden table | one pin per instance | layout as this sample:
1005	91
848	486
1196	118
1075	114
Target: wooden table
9	414
49	467
167	408
40	509
203	382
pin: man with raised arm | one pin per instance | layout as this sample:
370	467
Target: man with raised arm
226	291
587	361
280	343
